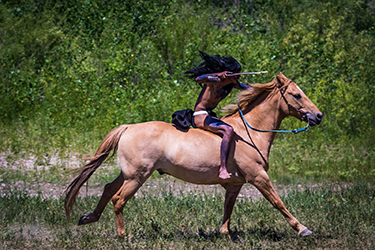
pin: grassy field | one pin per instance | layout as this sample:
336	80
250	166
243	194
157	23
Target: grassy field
340	216
71	71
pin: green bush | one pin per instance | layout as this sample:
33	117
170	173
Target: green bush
75	69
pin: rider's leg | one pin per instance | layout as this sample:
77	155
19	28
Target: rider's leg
217	126
224	151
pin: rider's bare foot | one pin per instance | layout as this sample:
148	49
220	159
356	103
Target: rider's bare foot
223	174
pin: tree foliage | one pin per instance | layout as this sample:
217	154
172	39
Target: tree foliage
91	65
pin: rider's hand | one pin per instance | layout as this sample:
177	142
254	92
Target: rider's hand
223	75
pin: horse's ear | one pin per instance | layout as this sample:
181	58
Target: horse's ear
280	79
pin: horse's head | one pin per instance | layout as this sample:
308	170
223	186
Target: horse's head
295	103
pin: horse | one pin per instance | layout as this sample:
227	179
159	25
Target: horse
193	155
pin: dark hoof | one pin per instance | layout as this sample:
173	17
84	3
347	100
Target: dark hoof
87	218
81	221
305	232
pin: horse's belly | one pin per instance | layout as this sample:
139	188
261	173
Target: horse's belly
202	176
199	168
198	157
198	175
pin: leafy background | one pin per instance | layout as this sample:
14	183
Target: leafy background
70	71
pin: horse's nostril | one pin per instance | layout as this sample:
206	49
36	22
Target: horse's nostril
319	117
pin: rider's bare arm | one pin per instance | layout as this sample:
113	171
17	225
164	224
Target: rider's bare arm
214	77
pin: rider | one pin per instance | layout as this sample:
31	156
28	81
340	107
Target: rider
212	74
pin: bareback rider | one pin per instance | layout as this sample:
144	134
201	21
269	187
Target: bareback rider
212	74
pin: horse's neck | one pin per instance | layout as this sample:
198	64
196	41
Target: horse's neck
266	115
263	116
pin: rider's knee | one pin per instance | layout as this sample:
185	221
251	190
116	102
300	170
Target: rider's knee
229	131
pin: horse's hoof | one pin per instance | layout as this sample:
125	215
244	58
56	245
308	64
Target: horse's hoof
305	232
86	218
232	236
121	235
82	219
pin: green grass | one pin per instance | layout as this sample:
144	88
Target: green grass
297	158
341	217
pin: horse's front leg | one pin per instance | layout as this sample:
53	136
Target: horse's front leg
263	184
230	198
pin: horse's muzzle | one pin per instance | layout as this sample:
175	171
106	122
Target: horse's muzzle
315	119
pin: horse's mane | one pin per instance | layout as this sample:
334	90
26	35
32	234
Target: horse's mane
250	95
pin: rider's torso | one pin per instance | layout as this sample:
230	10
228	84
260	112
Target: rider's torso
211	95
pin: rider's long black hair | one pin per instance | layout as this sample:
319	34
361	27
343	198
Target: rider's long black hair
214	64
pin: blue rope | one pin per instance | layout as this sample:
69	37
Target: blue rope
295	131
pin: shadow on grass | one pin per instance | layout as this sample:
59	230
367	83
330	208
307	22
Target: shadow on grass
213	236
268	234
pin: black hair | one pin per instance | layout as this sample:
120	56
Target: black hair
214	64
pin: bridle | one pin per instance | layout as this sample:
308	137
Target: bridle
295	131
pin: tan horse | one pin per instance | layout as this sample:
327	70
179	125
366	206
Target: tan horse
193	155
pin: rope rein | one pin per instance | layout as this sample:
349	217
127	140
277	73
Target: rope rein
295	131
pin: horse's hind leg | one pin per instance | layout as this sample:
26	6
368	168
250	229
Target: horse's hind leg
127	191
230	198
263	184
109	190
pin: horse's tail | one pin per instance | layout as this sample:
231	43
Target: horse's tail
109	144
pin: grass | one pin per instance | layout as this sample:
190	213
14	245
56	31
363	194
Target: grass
341	217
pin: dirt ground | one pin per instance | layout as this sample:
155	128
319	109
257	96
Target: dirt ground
153	186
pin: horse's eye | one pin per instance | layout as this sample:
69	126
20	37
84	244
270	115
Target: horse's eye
297	96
